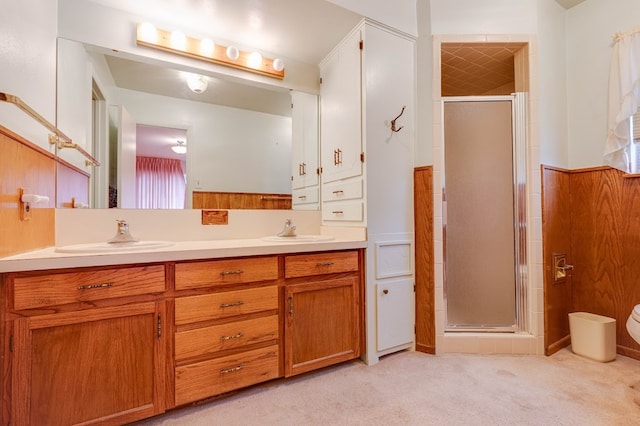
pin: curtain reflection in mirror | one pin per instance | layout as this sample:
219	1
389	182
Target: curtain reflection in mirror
160	183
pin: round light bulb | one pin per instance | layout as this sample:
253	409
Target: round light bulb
207	47
233	53
278	64
178	40
254	60
148	32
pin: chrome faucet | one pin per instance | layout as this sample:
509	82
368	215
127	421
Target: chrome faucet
122	233
289	230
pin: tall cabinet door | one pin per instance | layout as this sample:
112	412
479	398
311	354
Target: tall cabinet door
304	150
340	101
102	366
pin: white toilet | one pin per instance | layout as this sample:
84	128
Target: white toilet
633	323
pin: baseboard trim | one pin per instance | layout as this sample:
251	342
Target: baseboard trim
556	346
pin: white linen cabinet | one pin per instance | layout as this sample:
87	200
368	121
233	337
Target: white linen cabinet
367	81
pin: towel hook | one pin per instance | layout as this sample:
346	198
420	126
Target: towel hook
393	122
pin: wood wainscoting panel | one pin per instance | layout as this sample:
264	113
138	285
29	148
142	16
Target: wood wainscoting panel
424	262
629	296
72	185
596	240
556	238
27	166
240	200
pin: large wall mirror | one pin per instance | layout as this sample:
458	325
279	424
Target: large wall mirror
237	132
234	137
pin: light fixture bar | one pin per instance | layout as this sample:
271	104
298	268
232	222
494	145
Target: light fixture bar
192	47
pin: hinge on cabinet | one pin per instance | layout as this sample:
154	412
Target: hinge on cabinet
10	343
320	80
362	157
291	105
159	326
414	288
319	170
361	44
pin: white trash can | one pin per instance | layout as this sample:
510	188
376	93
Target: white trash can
593	336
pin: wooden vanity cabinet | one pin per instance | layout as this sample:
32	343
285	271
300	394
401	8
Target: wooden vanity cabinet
227	334
85	347
323	309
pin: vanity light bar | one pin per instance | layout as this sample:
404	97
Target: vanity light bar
204	49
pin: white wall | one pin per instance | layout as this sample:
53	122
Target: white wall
552	84
591	26
229	149
483	17
28	57
399	14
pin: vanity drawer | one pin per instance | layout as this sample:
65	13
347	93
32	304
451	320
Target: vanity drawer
84	286
302	265
208	340
336	191
225	304
225	271
207	378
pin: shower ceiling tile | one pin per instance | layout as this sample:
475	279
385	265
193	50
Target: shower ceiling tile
475	69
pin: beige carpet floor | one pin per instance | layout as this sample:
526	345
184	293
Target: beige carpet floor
410	388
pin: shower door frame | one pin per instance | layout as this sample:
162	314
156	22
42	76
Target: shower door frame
519	161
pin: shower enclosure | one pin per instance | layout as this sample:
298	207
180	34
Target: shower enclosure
484	216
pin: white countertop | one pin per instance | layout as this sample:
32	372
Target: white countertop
48	258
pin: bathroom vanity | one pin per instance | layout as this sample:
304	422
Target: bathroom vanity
112	342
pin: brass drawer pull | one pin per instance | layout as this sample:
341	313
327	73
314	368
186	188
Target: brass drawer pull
92	286
231	370
228	305
337	212
302	197
235	336
236	272
338	191
324	264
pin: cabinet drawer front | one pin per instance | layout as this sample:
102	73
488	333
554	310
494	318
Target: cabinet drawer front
227	271
342	191
321	263
204	379
83	286
208	340
343	212
225	304
305	196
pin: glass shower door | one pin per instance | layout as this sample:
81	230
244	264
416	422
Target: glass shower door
478	216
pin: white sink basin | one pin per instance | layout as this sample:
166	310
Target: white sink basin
297	239
105	247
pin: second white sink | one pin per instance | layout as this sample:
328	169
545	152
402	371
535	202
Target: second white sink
105	247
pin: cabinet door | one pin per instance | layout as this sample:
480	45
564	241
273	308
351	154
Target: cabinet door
340	112
323	324
395	313
101	366
304	149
